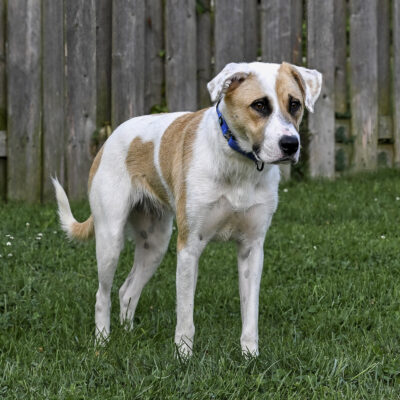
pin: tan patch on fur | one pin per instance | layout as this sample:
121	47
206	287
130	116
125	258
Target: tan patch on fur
175	155
82	230
141	168
95	166
243	118
290	83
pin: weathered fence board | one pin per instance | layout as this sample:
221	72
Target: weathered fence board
154	53
181	71
297	31
251	29
364	88
396	90
103	62
321	124
3	103
228	32
128	55
53	94
384	89
24	99
204	34
276	28
340	52
80	107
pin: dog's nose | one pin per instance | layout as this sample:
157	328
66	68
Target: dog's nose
289	144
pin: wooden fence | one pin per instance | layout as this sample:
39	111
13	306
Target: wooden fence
71	70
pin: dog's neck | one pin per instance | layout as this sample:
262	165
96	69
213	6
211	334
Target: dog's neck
228	164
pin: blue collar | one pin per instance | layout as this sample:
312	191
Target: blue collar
232	142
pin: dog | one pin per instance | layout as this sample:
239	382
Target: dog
216	170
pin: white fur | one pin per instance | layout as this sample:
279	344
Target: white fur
64	210
226	198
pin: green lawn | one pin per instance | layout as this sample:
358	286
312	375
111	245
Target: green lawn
329	307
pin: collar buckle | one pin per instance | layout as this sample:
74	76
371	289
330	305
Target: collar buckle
259	165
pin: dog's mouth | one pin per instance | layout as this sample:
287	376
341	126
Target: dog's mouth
285	160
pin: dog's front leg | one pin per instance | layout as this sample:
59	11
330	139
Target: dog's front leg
186	278
250	263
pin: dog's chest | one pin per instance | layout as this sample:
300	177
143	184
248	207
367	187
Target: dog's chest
226	212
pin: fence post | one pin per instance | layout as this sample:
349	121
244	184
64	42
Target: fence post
396	74
229	32
297	31
3	103
204	32
340	51
385	129
364	88
154	64
128	55
251	29
103	62
53	94
24	100
181	69
320	56
80	107
276	40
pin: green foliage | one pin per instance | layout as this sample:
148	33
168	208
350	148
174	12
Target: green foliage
340	160
329	307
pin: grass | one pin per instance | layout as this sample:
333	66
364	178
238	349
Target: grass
329	307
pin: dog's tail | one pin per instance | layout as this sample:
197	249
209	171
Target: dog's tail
73	228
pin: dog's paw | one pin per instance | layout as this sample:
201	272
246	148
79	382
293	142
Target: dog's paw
101	338
250	350
183	349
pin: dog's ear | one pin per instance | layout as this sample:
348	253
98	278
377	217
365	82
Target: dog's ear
228	79
311	80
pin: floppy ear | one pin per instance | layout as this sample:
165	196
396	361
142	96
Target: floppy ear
228	78
312	82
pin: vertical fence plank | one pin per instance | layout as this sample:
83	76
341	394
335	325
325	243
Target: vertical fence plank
276	41
320	55
297	31
251	28
340	21
396	77
364	105
3	102
154	36
53	94
80	107
384	89
103	62
229	32
204	73
24	99
128	57
181	55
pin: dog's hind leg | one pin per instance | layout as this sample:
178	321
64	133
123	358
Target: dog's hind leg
110	214
151	234
109	243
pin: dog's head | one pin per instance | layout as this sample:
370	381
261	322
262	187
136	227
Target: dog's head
263	105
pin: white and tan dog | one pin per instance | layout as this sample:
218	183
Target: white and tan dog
155	166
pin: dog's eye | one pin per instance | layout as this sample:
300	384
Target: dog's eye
294	106
262	106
